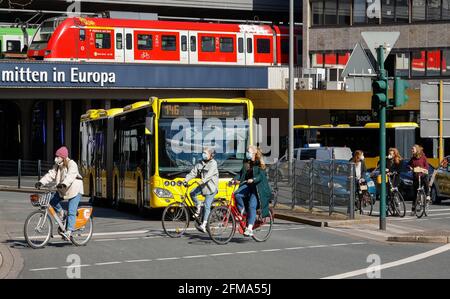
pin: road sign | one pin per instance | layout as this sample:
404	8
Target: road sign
429	110
358	63
375	39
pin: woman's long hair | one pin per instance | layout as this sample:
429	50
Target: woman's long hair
357	156
397	158
419	150
259	158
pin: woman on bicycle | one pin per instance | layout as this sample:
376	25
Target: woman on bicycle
253	188
209	186
360	165
419	159
69	185
393	165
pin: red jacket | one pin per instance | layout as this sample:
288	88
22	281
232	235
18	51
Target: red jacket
419	162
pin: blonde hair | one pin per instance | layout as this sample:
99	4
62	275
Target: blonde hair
419	150
259	156
357	156
397	158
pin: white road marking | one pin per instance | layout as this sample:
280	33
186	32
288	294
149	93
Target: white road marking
133	232
245	252
138	261
128	239
44	269
194	256
294	248
271	250
408	260
75	266
220	254
168	258
107	263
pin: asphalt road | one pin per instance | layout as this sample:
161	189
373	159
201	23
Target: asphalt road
128	246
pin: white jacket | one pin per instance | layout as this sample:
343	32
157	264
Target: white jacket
68	176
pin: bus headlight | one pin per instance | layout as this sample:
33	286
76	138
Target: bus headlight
163	193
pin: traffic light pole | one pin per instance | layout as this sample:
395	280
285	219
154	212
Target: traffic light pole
382	114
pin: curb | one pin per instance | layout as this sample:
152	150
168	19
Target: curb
22	190
323	223
419	239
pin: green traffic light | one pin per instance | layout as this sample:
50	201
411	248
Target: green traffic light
400	96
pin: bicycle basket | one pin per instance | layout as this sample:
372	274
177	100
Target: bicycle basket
44	199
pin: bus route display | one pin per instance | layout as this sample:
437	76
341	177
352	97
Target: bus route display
187	110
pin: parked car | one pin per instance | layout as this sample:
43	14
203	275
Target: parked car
406	180
440	189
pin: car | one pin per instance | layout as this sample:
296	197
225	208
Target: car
440	181
406	180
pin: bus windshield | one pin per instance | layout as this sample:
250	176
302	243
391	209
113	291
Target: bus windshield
181	142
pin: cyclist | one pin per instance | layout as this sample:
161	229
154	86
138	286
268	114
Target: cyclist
253	187
209	186
360	165
393	164
419	159
69	185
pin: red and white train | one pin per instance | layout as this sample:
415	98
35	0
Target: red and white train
137	41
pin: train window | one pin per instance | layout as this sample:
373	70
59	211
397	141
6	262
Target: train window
82	35
184	43
13	46
145	42
103	41
249	45
119	41
169	43
263	46
208	44
241	45
129	38
226	45
285	46
193	44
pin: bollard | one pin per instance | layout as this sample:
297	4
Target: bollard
19	172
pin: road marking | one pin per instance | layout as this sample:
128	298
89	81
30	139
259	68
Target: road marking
138	261
220	254
133	232
44	269
128	239
245	252
168	258
272	250
107	263
75	266
408	260
294	248
104	240
194	256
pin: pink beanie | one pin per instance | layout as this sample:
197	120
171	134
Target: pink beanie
63	152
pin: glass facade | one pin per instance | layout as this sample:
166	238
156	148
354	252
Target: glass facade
355	12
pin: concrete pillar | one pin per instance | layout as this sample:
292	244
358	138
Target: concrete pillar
306	26
68	124
50	150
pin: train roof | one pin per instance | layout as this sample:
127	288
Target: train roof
106	23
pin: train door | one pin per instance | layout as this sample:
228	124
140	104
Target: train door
240	49
184	51
249	56
129	45
83	44
193	49
120	45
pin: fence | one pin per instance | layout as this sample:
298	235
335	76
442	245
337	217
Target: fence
320	185
22	173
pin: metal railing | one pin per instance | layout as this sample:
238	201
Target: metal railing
327	186
22	173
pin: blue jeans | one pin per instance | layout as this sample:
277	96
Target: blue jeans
73	207
208	201
249	193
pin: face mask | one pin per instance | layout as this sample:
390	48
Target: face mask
390	157
249	156
59	160
362	158
205	157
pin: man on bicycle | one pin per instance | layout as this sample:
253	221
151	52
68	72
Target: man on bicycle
69	185
209	185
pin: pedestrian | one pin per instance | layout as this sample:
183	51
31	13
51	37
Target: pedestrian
208	171
419	163
254	189
69	185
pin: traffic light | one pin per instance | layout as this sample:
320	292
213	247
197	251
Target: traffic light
379	97
400	96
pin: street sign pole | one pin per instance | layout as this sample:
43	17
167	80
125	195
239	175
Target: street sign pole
382	114
291	90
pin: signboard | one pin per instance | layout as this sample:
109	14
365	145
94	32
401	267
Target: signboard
187	110
358	63
429	110
375	39
140	76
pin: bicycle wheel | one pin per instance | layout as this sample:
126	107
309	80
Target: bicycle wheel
399	205
175	220
420	204
366	205
37	229
221	225
263	227
82	236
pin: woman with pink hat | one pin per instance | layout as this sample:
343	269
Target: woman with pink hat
69	185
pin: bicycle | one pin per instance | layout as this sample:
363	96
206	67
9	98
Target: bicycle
364	203
38	227
422	204
396	204
228	218
177	215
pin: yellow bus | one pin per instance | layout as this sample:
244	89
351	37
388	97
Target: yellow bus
139	155
402	135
